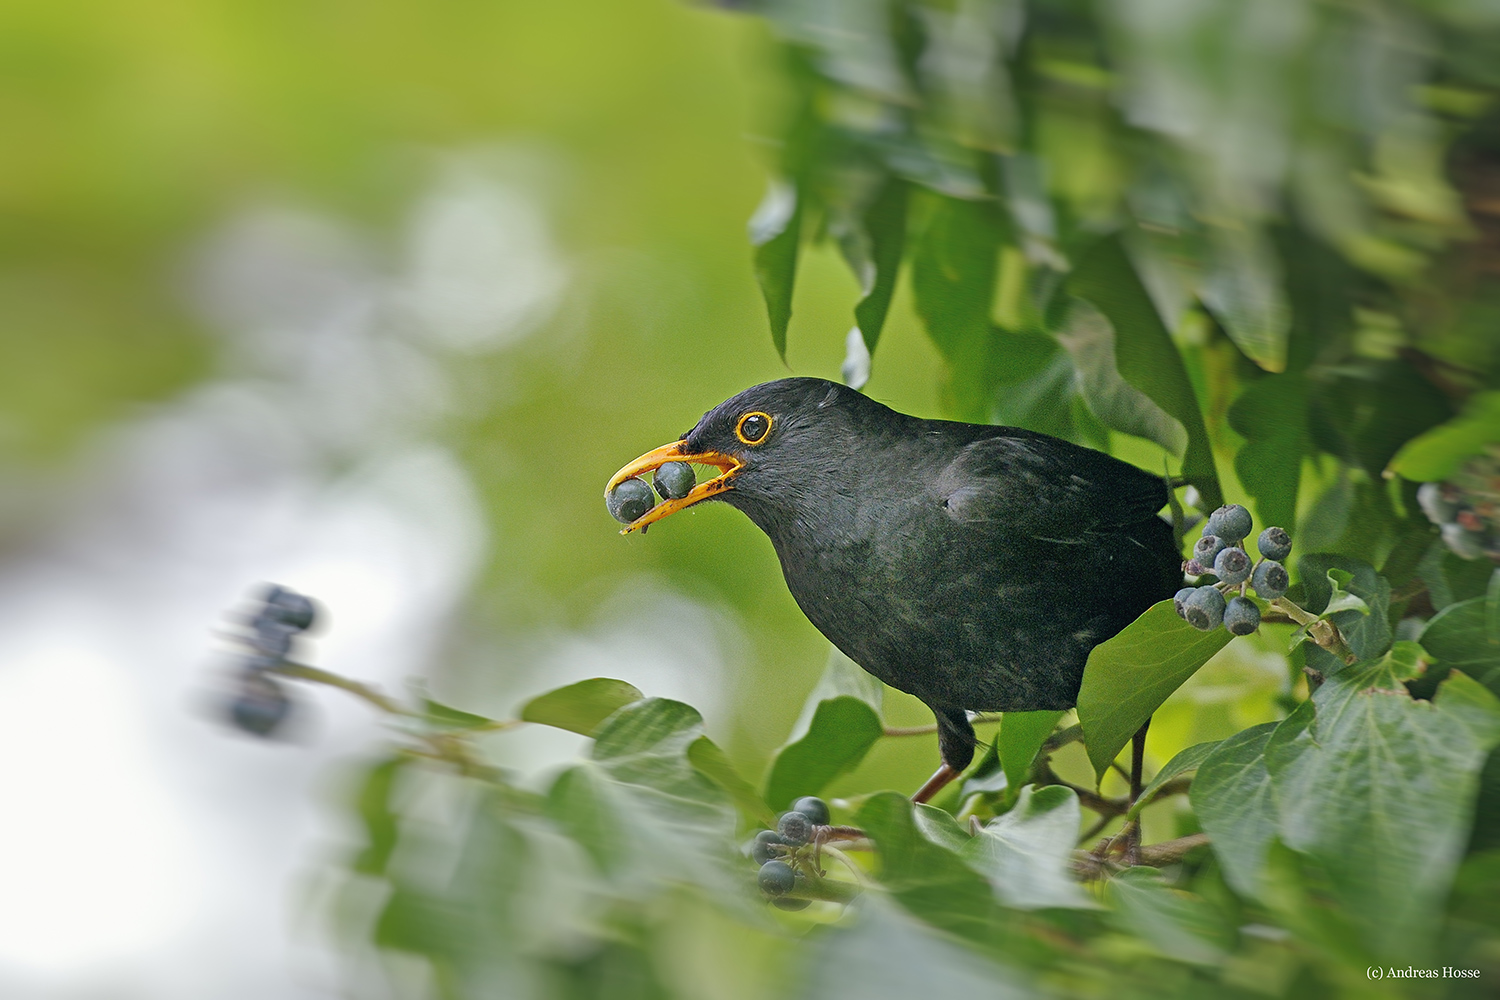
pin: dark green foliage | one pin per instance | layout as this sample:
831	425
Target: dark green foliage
630	501
814	808
674	480
1204	609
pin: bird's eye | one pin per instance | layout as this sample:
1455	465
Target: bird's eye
753	427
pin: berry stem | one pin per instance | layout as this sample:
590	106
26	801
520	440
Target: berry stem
381	701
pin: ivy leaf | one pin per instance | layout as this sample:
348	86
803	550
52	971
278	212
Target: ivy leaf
1340	599
775	233
1026	853
885	953
442	716
1144	352
839	724
1185	762
1381	790
639	807
1231	796
373	803
711	762
581	707
1178	924
1272	415
1090	339
1021	736
1367	631
871	232
1464	636
953	284
1438	453
1129	676
928	879
939	826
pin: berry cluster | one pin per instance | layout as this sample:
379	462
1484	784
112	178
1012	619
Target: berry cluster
1467	507
776	850
260	704
633	500
1220	551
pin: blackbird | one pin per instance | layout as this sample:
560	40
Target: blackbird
973	566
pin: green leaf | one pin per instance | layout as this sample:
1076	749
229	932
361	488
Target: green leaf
939	826
446	717
953	284
373	803
1231	796
1272	415
1440	452
579	708
1027	853
1367	630
839	724
1184	762
1021	736
1464	637
775	233
1129	676
641	809
1090	340
1380	793
1340	599
883	952
1177	924
1145	354
871	233
704	754
926	878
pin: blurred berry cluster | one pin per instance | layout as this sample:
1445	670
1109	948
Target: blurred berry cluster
1467	507
779	854
260	703
1221	552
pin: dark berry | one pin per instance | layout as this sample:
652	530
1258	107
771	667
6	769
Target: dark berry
1232	565
1180	597
1274	543
1270	580
814	808
795	828
675	480
289	608
785	903
272	639
1206	548
761	849
1204	610
630	501
261	705
1241	616
1230	522
776	878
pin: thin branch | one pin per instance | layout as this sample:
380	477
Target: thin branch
370	694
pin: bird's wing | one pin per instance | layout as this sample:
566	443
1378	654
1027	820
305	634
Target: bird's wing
1047	488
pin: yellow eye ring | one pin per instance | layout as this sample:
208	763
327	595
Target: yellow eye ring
759	425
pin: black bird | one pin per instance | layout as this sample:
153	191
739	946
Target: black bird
973	566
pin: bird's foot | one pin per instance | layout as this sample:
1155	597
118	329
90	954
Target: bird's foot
939	780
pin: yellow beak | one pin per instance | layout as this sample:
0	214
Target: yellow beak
677	452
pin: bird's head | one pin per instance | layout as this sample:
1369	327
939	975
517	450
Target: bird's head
760	440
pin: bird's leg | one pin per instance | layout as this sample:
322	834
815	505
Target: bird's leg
1132	831
956	743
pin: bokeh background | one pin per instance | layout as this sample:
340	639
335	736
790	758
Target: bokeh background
371	299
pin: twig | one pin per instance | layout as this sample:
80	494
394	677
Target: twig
381	701
1092	865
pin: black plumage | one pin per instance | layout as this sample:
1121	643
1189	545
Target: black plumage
973	566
